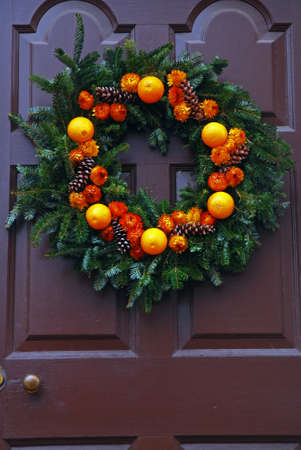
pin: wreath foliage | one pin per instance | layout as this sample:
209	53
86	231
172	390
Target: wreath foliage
42	195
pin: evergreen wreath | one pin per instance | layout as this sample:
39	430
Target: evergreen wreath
127	240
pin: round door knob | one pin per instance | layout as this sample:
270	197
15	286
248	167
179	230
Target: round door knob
31	383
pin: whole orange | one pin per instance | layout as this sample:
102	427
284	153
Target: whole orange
214	134
207	218
179	217
220	205
118	112
153	241
217	181
150	89
80	129
98	216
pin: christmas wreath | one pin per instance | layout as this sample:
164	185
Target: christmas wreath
76	195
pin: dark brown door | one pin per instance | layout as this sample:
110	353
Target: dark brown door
216	369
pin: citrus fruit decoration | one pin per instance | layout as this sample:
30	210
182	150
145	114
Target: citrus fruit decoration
118	112
61	195
214	134
150	89
179	217
80	129
98	216
217	181
207	218
220	205
153	241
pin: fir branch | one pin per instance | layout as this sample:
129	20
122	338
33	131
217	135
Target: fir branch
81	228
158	139
65	59
30	130
14	213
144	281
100	281
44	84
109	157
45	225
215	277
41	113
79	38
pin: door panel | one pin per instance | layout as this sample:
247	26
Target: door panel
76	447
260	58
209	368
259	52
240	447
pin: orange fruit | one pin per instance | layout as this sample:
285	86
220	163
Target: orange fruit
98	216
207	218
80	129
101	111
179	217
118	112
85	100
150	89
153	241
92	193
220	205
217	181
214	134
99	175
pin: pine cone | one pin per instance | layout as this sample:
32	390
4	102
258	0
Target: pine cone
114	95
82	173
192	228
120	237
192	100
236	158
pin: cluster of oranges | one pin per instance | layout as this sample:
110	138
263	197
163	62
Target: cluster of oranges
151	241
81	131
149	89
102	110
223	144
131	223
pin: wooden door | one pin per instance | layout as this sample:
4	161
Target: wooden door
214	369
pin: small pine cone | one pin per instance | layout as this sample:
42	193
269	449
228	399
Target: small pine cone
120	237
178	229
114	95
191	228
239	155
191	98
199	115
224	169
82	174
205	229
236	158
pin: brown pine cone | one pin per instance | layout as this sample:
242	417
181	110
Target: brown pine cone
192	100
120	238
236	158
191	228
239	155
82	173
200	114
114	95
190	96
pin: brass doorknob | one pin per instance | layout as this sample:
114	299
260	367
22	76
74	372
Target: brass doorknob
31	383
